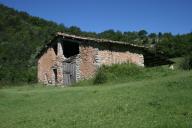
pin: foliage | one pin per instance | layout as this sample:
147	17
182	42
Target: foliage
175	46
121	71
22	35
186	64
100	77
126	72
116	72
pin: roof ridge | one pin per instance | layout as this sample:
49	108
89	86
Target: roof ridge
96	39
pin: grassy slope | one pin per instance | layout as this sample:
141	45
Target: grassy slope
157	102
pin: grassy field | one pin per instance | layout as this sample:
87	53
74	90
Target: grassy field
162	99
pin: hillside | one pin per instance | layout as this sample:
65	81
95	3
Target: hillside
161	99
22	36
118	96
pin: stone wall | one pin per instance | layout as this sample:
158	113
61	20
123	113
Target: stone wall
92	57
45	63
87	61
107	57
48	62
59	63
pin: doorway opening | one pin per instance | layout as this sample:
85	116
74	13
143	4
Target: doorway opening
55	75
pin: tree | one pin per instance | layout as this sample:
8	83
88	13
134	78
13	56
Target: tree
74	30
153	35
160	34
142	33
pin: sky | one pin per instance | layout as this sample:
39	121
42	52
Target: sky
125	15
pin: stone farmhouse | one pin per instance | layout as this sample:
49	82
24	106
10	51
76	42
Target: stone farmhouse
67	59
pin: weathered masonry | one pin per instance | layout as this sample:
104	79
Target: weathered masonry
67	58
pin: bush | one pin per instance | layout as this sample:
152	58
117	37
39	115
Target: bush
186	64
100	77
116	72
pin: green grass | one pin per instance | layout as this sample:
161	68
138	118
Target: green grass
162	99
178	62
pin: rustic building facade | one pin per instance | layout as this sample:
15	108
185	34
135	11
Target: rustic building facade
68	58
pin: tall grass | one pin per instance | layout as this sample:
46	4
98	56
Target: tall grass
186	63
128	72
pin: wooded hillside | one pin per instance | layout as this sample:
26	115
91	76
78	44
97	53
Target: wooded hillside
22	36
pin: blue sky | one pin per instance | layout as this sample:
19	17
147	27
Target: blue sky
125	15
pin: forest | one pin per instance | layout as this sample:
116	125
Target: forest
22	36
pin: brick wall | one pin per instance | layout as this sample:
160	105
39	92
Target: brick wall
92	57
111	57
87	61
45	62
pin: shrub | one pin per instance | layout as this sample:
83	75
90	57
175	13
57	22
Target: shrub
116	72
100	77
186	64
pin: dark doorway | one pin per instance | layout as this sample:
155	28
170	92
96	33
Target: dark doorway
55	75
70	48
55	48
